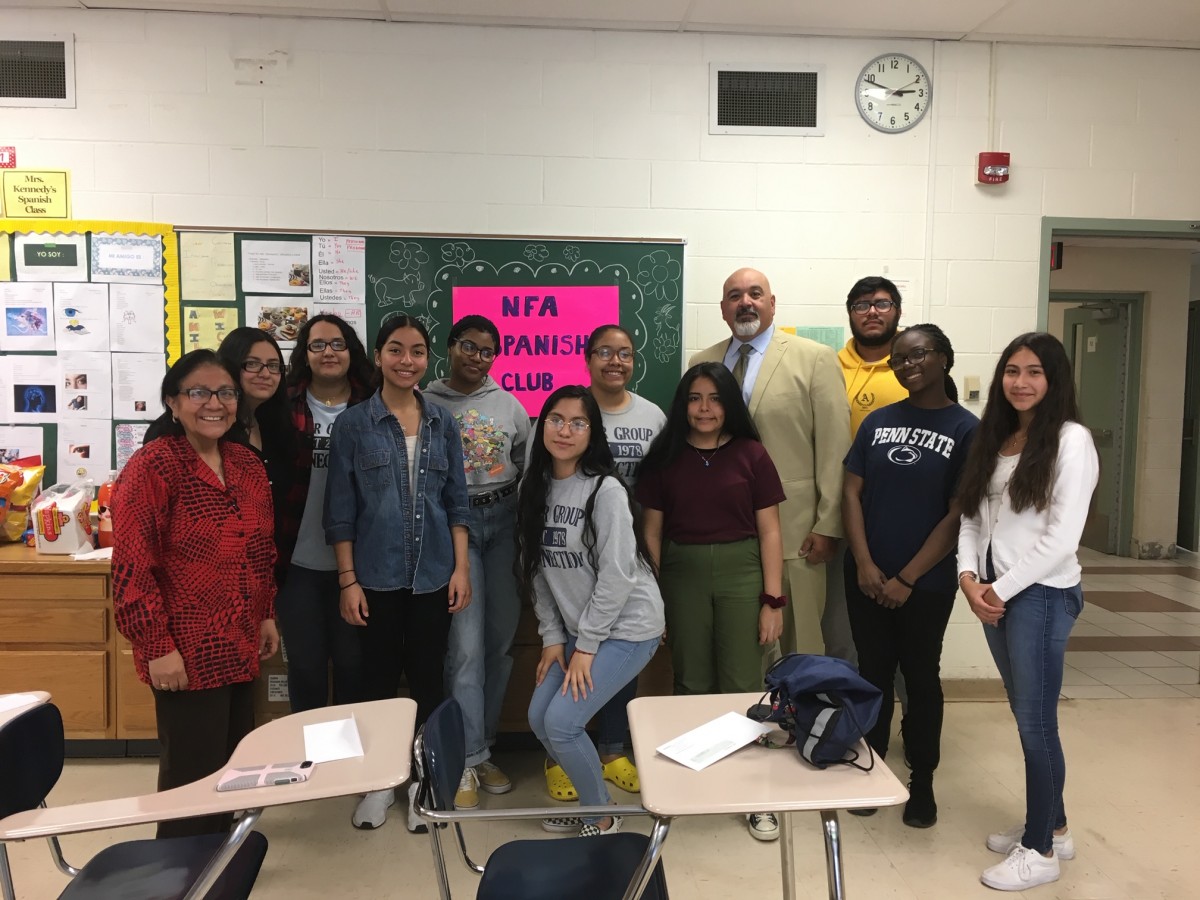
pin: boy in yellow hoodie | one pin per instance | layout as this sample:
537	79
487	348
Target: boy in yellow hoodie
873	305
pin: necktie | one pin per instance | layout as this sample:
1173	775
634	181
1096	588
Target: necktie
739	368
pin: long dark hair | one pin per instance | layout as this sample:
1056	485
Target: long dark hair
673	439
597	460
361	370
272	415
166	424
1032	482
941	344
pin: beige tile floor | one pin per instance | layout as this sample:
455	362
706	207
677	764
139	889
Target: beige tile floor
1133	792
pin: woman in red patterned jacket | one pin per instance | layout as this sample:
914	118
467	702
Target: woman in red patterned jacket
193	587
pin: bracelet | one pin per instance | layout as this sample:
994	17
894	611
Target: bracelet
346	572
342	587
970	575
772	601
584	652
900	579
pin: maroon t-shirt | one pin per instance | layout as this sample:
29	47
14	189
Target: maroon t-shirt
713	504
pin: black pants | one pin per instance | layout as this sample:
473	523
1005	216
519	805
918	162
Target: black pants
314	633
911	637
406	634
198	731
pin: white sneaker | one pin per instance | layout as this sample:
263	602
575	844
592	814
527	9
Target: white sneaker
763	826
562	824
416	825
1005	841
596	830
1024	868
372	809
467	795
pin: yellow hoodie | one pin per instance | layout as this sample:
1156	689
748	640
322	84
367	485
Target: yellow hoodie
869	385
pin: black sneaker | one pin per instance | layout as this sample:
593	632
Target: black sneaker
921	809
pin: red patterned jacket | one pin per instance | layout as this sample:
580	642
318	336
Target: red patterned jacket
192	563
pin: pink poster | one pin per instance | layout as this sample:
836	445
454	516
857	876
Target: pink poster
543	331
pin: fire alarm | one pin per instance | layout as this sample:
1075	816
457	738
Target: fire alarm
993	168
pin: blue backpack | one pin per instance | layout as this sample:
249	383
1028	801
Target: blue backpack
824	705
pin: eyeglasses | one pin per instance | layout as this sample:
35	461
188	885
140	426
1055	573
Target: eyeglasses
862	306
556	422
607	353
336	344
915	356
201	395
254	365
487	354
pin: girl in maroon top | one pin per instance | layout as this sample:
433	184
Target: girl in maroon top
193	585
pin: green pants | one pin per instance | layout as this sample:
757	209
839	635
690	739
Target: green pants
711	596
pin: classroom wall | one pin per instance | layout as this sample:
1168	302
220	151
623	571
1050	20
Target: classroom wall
1164	276
219	120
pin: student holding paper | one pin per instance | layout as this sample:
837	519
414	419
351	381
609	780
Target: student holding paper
584	564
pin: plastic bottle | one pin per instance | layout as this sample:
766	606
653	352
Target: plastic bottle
104	534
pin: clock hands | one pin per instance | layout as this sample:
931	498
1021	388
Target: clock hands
877	89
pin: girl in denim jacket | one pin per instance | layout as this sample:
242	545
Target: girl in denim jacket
396	514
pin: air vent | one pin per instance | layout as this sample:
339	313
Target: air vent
37	71
751	99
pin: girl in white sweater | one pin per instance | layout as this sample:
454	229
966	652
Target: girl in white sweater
1025	493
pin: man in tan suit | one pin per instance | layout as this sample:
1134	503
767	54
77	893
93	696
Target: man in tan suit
797	399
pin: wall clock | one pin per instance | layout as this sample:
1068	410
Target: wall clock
893	93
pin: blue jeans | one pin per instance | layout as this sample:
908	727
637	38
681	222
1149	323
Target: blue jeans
560	722
1029	645
477	660
612	722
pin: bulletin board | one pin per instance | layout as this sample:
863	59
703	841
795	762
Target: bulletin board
544	294
87	310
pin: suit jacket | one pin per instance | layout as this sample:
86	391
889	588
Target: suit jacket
799	407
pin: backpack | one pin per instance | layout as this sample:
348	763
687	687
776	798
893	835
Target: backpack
824	705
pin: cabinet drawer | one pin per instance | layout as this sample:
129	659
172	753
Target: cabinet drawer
52	625
55	587
135	702
76	680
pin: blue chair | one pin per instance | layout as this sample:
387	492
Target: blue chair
599	868
31	761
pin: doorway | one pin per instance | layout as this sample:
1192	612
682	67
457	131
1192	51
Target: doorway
1189	470
1098	332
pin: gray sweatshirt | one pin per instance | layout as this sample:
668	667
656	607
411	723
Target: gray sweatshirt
617	599
630	432
495	429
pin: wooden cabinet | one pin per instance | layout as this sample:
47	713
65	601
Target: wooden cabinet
57	635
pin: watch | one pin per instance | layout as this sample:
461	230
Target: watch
893	93
772	601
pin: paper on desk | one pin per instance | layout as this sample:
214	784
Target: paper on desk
102	553
327	741
16	701
712	741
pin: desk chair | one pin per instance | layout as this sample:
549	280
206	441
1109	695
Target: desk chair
599	868
31	761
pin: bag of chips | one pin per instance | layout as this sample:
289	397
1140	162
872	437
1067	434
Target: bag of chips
18	486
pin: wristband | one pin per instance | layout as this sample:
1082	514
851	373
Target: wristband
900	579
346	572
774	602
584	652
344	586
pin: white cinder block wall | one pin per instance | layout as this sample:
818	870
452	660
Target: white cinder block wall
457	129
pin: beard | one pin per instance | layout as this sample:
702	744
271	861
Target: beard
747	328
879	340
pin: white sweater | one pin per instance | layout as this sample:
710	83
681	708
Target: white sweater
1032	547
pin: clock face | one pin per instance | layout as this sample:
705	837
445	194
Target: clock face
893	93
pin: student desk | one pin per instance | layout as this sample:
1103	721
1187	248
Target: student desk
753	779
385	726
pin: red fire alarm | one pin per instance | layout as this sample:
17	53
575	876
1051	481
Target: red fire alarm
993	168
8	157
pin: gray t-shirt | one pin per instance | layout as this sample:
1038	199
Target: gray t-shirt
311	550
616	598
630	433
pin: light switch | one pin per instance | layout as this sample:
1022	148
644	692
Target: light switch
971	385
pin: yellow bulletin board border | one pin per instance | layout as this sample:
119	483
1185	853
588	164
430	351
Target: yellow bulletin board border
172	318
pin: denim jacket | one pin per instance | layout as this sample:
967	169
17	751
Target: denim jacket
398	543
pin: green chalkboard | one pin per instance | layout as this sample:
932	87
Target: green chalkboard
420	274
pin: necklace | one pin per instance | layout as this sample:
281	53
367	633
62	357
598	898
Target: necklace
707	459
340	397
1016	441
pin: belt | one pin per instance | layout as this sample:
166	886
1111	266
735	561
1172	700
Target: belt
490	497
